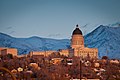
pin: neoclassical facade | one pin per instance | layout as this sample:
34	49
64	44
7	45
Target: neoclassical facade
77	47
77	44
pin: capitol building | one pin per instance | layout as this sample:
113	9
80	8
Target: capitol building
77	47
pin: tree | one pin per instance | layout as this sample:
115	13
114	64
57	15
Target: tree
10	56
105	57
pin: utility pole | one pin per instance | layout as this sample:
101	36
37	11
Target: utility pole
80	70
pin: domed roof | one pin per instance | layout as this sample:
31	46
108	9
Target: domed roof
77	31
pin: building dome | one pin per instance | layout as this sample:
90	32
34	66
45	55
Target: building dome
77	31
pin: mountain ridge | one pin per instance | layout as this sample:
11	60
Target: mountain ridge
105	38
25	45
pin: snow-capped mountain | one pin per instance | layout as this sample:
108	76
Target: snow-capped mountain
25	45
105	38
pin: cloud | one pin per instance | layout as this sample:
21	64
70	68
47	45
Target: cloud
85	25
11	32
85	28
9	27
117	24
54	35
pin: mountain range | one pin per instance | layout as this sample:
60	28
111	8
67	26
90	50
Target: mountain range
105	38
25	45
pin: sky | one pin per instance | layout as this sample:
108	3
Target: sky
55	18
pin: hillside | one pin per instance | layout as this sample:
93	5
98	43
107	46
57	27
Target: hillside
106	39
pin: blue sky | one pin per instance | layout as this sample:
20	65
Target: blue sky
55	18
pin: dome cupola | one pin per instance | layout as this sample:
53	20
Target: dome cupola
77	31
